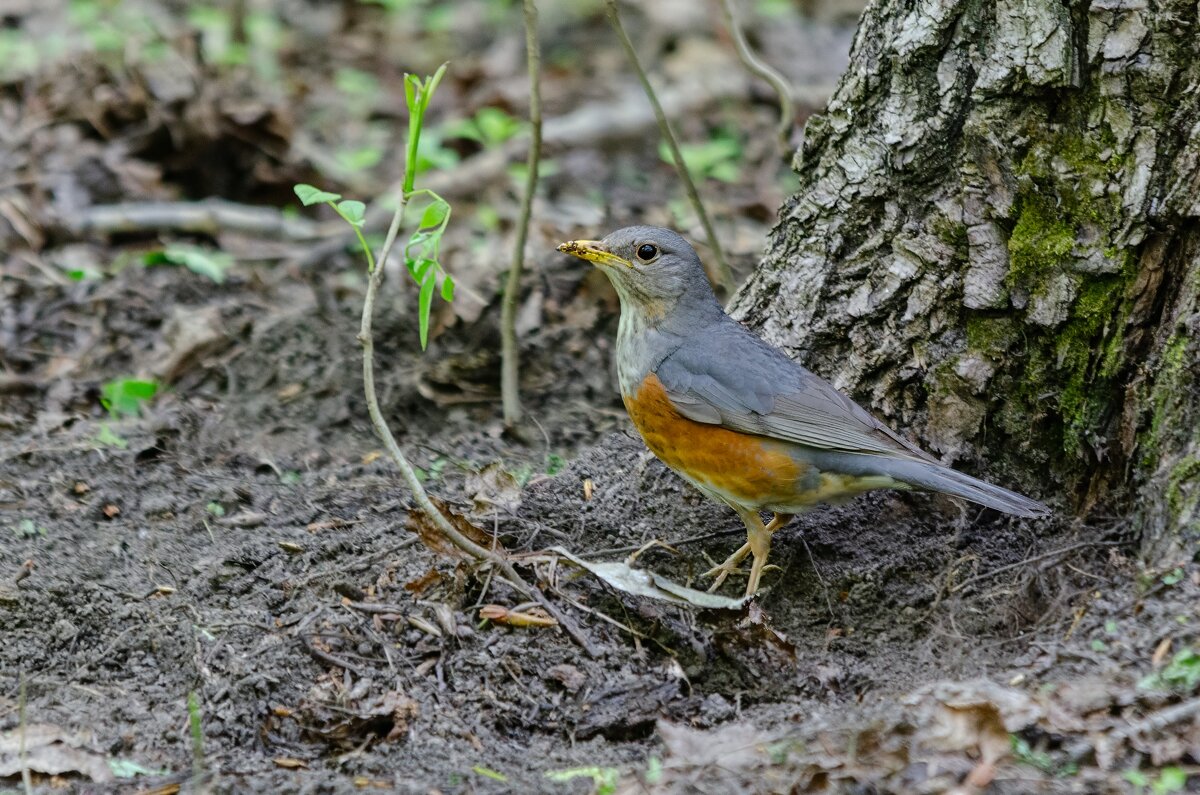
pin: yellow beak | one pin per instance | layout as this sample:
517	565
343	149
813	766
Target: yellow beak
593	251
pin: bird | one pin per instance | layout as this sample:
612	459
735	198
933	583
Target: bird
738	418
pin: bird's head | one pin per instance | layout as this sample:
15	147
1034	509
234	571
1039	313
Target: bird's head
656	273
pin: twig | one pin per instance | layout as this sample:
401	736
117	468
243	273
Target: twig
1052	553
209	216
1155	722
787	107
510	351
723	276
331	659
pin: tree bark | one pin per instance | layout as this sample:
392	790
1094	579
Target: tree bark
995	245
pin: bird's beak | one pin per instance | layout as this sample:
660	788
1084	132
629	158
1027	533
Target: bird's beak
593	251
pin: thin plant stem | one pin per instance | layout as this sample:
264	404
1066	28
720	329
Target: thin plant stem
787	106
510	352
379	424
723	276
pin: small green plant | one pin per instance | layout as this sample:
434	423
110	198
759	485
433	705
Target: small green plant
1168	780
1027	755
488	127
421	252
124	397
604	779
197	730
205	262
27	528
216	509
1173	577
107	437
489	773
717	158
1181	674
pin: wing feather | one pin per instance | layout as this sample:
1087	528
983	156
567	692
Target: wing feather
733	379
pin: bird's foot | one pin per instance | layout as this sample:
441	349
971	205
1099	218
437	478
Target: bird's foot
629	561
730	566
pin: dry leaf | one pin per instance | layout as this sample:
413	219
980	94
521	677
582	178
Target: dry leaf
432	537
493	488
640	582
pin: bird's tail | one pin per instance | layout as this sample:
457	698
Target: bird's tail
939	478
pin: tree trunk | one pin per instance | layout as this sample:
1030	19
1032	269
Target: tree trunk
995	245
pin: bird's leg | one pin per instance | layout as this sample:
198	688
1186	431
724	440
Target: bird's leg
728	567
760	547
779	520
757	535
758	544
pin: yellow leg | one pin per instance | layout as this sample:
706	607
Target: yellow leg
728	567
758	544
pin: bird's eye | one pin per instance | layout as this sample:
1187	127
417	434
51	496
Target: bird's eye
647	252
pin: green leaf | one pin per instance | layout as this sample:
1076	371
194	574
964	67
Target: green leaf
412	85
604	779
124	397
109	438
434	214
127	768
489	773
424	304
418	269
447	288
308	195
355	212
212	264
1170	779
432	83
360	158
1135	777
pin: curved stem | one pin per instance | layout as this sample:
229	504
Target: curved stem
724	276
510	350
787	105
366	339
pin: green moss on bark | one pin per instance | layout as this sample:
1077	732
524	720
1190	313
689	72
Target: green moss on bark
1065	216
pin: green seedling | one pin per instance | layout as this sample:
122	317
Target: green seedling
1182	674
716	159
107	437
489	773
27	528
604	779
358	86
216	509
124	397
127	768
488	127
197	731
205	262
1027	755
1173	577
421	252
432	154
1169	779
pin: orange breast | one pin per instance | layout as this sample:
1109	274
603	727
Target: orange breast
745	469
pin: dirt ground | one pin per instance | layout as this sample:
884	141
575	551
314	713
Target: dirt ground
242	546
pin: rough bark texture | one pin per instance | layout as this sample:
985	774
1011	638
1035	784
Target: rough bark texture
995	243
